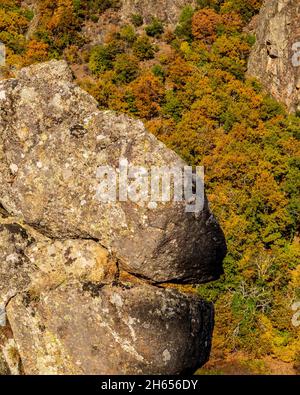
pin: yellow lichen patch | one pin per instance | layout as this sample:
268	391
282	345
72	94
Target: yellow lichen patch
11	356
128	279
55	360
60	261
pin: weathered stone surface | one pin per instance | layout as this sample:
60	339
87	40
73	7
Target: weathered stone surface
52	140
10	360
4	369
15	266
275	58
33	265
80	329
67	309
71	300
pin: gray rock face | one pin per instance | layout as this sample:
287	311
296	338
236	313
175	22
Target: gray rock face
275	58
80	288
13	240
71	311
122	330
52	141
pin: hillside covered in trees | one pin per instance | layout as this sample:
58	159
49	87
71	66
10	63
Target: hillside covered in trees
188	84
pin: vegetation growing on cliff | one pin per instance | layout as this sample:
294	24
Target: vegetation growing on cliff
189	86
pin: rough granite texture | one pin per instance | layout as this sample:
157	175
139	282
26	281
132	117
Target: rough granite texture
271	60
111	330
72	311
80	288
52	141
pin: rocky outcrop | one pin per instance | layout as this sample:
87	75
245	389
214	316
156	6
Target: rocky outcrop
275	58
71	310
80	328
167	11
83	274
53	141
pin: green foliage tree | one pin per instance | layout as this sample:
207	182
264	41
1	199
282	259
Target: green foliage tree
159	72
173	106
137	20
103	56
155	28
128	34
184	28
143	48
126	68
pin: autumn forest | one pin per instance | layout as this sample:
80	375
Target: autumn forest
189	84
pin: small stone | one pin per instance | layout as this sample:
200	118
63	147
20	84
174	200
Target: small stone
13	168
152	205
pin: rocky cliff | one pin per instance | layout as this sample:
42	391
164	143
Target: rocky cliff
86	276
275	58
167	11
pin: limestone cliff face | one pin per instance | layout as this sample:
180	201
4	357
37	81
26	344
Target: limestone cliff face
85	275
275	58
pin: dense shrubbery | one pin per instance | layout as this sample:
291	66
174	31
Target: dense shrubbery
102	57
184	27
193	94
58	27
155	29
137	20
92	8
143	48
126	68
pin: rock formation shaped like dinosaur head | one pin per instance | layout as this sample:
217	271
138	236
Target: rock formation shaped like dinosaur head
53	141
85	274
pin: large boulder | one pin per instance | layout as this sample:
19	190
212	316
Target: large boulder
275	58
80	278
52	141
72	311
111	329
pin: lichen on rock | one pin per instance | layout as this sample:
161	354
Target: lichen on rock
49	179
80	279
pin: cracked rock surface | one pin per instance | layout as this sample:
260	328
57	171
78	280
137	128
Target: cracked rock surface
72	311
275	57
81	280
52	141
